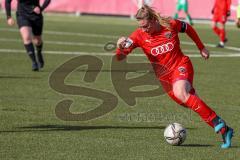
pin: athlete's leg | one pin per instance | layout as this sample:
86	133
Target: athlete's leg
39	45
37	26
215	28
181	90
25	29
187	15
176	15
219	29
188	18
222	35
26	34
178	9
183	93
222	32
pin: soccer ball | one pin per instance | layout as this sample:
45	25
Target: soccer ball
175	134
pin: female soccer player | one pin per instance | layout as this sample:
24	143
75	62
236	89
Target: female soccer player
158	38
30	21
183	5
220	11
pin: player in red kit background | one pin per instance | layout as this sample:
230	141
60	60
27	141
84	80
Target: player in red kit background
220	11
158	38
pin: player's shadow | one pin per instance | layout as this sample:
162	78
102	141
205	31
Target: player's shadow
47	128
196	145
80	128
19	77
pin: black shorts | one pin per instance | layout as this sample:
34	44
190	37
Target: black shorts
35	22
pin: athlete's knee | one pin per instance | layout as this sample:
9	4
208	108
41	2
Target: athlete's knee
27	41
26	38
181	94
26	34
171	95
181	90
37	40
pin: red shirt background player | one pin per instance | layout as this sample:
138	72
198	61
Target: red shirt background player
158	38
220	11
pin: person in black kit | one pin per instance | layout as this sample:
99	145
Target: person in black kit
30	22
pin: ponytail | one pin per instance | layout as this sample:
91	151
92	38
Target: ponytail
148	13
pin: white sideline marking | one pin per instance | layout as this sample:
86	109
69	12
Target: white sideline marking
102	45
66	33
96	36
58	43
106	54
212	45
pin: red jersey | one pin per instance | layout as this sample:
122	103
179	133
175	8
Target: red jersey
221	7
163	48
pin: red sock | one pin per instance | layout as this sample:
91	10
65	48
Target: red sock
216	30
222	34
198	106
223	130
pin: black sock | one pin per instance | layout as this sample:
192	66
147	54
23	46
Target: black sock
39	53
30	51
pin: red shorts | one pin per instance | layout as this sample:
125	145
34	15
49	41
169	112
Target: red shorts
221	18
183	71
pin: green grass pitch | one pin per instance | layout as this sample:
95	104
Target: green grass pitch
30	129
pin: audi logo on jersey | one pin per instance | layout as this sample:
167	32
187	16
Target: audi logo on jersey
162	49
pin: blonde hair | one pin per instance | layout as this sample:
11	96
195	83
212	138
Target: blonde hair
148	13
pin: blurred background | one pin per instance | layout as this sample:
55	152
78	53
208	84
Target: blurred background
199	9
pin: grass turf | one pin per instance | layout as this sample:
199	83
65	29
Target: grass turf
30	129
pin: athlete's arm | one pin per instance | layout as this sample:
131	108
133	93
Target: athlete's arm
205	53
10	20
45	4
185	27
8	8
126	45
214	6
228	7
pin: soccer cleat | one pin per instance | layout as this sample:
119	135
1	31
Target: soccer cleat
220	45
227	137
35	67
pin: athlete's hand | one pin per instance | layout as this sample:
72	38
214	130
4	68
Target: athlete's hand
212	11
10	21
37	10
238	23
120	42
205	53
